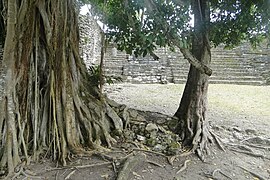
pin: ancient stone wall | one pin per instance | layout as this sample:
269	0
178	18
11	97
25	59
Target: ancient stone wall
258	58
90	40
241	65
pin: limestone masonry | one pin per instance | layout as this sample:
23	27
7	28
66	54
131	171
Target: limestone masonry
241	65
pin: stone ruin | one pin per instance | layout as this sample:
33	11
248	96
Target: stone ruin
90	40
240	65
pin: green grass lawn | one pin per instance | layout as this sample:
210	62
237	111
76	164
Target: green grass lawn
250	100
240	99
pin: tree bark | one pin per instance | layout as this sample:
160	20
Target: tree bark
48	106
193	125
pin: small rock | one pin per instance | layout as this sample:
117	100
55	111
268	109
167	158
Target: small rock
151	127
250	131
236	129
238	136
141	138
140	118
133	113
136	174
159	147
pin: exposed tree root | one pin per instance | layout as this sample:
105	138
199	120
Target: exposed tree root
253	174
183	167
70	174
149	151
50	107
23	172
250	153
241	147
257	146
184	154
155	163
221	172
129	166
217	140
76	167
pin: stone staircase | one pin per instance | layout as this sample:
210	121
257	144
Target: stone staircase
228	68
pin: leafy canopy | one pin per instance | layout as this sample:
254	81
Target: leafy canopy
140	26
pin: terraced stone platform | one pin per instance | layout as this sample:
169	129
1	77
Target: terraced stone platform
235	66
229	67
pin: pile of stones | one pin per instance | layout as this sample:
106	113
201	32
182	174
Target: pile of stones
151	131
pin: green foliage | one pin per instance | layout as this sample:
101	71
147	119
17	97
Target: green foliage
145	29
94	76
139	26
236	20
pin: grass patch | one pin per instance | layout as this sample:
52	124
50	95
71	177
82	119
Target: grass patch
250	100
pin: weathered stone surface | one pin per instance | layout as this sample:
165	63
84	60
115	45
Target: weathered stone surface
90	40
241	65
151	127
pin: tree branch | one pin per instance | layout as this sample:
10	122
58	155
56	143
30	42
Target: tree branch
187	54
192	60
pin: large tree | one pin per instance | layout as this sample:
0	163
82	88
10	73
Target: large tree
139	27
48	105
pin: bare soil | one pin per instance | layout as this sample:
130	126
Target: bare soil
239	115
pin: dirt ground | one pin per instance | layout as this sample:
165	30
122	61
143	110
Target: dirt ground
238	115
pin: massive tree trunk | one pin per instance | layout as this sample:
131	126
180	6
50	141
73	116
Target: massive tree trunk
193	125
48	106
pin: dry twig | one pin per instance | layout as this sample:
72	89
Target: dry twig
249	153
219	170
184	166
253	174
155	163
70	174
184	154
149	151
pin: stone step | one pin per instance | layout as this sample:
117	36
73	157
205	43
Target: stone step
237	78
254	83
230	66
111	67
229	61
214	62
218	66
179	81
218	77
227	72
233	73
224	76
227	57
113	72
245	82
143	73
220	70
